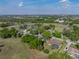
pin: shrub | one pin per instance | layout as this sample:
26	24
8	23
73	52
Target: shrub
57	34
56	55
47	34
8	33
33	41
77	45
4	33
46	51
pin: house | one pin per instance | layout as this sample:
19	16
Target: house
60	20
73	52
54	43
70	50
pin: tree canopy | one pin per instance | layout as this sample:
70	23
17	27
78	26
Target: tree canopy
33	41
57	34
8	33
47	34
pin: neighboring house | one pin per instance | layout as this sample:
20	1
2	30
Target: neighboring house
70	50
54	43
59	20
73	52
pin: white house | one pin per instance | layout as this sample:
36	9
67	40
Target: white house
59	20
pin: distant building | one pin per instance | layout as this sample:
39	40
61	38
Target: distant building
60	20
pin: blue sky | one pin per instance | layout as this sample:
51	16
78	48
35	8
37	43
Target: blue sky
32	7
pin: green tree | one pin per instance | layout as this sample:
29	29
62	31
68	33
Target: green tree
8	33
4	33
52	26
28	38
47	27
38	44
73	36
46	51
66	32
13	32
57	34
34	32
47	34
33	41
77	45
5	24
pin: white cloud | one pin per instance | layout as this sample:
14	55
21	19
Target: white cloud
64	0
65	3
21	4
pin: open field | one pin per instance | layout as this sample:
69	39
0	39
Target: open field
38	37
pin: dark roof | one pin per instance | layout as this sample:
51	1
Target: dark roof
53	41
73	50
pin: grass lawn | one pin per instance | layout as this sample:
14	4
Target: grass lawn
77	25
58	27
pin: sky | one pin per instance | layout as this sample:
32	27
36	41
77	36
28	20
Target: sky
39	7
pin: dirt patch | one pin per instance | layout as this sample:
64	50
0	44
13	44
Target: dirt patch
35	54
15	49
